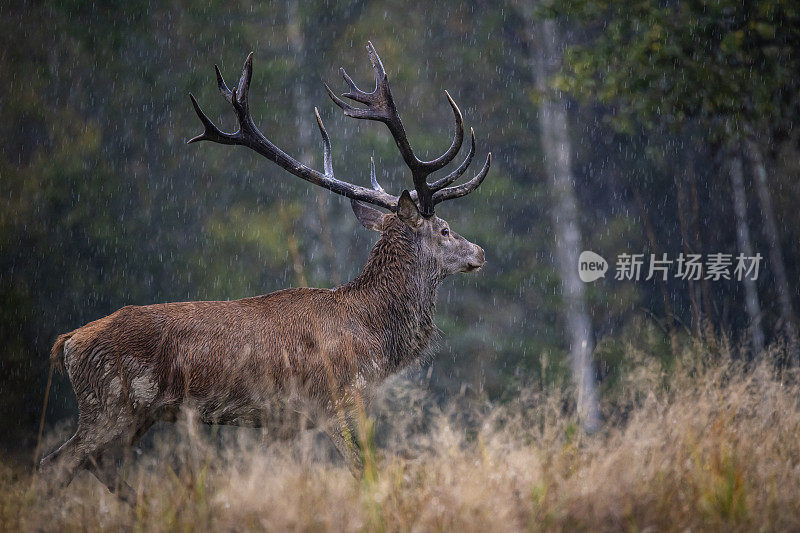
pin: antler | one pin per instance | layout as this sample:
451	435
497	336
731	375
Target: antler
249	135
380	107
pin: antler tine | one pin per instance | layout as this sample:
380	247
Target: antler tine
326	146
377	186
250	136
377	64
212	132
223	88
457	173
350	111
372	178
244	81
240	100
458	139
462	190
355	93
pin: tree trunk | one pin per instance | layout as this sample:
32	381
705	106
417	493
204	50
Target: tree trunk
705	293
308	139
745	247
688	246
777	265
656	250
558	163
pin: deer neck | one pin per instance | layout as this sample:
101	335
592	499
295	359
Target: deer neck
396	273
400	290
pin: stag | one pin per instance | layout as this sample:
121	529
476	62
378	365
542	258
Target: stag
294	357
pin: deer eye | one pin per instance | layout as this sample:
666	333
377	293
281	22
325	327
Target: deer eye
445	232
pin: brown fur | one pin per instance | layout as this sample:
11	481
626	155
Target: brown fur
281	360
57	352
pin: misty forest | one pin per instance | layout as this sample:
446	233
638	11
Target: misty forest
627	358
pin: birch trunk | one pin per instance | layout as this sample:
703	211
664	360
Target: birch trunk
557	151
745	246
777	264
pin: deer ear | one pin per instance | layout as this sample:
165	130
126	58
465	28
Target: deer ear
407	210
370	218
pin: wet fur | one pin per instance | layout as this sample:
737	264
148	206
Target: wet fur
283	360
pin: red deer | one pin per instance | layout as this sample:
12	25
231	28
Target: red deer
292	354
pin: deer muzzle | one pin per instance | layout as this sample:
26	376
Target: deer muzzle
477	261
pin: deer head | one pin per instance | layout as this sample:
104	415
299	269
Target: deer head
439	248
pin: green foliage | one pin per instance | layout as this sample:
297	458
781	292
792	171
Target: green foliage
663	63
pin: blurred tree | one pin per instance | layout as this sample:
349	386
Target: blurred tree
745	247
557	149
727	65
777	263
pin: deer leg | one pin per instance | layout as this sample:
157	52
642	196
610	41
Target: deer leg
104	467
47	464
345	442
96	429
104	464
61	465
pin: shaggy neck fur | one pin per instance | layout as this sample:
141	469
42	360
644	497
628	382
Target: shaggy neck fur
399	290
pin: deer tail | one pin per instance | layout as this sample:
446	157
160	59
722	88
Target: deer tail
57	353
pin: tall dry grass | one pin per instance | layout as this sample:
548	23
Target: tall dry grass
709	444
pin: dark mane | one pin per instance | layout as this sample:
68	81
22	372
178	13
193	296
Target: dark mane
400	295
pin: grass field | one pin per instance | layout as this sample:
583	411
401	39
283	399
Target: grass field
710	444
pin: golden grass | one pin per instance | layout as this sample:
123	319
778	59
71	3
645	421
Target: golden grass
707	446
